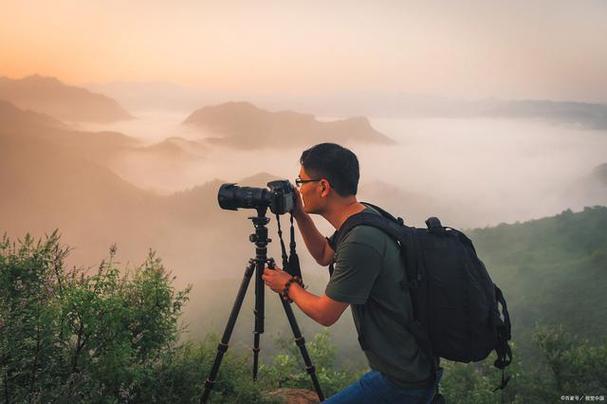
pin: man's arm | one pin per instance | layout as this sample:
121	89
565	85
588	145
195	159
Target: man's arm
317	244
321	309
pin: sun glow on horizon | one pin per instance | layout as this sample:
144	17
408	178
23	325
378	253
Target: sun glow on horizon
548	49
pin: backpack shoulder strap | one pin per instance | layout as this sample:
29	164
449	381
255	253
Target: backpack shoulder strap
368	219
384	213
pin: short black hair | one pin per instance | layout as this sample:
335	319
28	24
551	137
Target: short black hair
335	163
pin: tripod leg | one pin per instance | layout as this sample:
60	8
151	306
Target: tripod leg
259	314
223	345
301	343
256	350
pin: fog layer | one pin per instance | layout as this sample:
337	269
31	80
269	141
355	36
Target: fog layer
472	172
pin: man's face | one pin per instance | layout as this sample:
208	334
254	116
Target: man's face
311	193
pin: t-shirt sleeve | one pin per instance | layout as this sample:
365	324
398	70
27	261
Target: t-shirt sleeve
356	268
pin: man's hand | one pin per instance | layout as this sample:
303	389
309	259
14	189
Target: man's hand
321	309
298	211
276	279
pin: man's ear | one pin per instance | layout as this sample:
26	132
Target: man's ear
324	187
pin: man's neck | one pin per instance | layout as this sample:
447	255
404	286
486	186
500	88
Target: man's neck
339	213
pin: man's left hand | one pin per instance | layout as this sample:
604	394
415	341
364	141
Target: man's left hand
276	279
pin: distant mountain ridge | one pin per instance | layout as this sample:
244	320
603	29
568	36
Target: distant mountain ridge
243	125
175	148
402	105
589	115
32	127
68	103
13	118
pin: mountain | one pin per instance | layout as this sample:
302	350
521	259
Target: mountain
258	180
54	177
585	115
15	119
587	190
36	127
600	174
169	96
243	125
551	270
175	148
69	103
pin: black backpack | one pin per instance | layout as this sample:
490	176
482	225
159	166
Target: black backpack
455	303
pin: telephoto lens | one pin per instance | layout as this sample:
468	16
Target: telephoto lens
280	198
232	197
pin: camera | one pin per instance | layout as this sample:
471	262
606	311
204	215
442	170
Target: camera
280	197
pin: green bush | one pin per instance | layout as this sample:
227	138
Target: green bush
68	335
288	369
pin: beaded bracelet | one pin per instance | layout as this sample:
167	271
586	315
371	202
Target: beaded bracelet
285	291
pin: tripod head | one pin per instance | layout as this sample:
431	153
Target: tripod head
260	222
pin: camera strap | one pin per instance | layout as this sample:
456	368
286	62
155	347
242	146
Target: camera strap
290	262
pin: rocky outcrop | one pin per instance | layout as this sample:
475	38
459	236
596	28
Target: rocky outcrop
295	396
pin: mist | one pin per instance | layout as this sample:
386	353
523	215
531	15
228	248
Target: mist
472	172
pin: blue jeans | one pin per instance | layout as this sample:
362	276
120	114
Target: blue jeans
374	387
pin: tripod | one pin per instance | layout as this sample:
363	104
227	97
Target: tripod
257	265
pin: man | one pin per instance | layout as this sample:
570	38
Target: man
367	276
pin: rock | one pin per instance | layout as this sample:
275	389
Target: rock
295	396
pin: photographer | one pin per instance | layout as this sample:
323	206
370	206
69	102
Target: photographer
367	275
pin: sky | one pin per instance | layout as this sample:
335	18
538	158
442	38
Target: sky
543	49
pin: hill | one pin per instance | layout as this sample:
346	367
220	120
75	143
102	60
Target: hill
600	173
552	270
173	148
59	178
69	103
98	146
243	125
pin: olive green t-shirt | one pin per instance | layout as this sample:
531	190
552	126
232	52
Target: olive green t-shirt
368	272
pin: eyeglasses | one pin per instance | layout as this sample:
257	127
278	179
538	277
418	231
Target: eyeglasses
299	182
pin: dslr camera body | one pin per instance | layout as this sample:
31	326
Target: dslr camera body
280	197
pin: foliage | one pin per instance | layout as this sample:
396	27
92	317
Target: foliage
113	335
183	370
288	369
66	335
552	271
568	366
576	365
